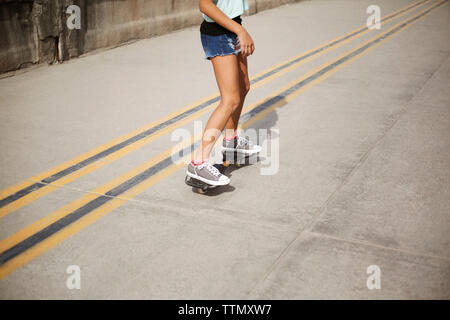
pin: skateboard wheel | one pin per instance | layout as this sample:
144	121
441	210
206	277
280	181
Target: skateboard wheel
226	164
202	190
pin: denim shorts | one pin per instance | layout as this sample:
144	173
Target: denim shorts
222	45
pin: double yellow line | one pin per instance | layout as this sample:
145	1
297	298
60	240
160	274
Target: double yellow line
42	235
23	193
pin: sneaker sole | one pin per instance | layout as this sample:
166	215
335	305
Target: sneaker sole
210	182
241	150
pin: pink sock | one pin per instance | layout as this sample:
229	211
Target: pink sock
231	138
197	163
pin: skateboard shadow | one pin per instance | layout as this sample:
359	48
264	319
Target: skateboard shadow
268	121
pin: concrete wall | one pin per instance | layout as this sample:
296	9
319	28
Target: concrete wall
35	31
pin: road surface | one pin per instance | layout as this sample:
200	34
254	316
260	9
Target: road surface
354	202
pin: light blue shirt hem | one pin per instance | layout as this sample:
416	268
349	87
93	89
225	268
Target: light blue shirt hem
232	8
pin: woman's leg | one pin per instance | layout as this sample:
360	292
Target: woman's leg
226	69
244	88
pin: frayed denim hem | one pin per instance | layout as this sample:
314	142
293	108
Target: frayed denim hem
223	54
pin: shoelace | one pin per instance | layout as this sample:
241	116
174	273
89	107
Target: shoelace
213	170
244	141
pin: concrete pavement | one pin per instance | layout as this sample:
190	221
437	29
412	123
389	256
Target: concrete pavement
363	168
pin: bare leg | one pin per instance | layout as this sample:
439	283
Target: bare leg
244	88
226	69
